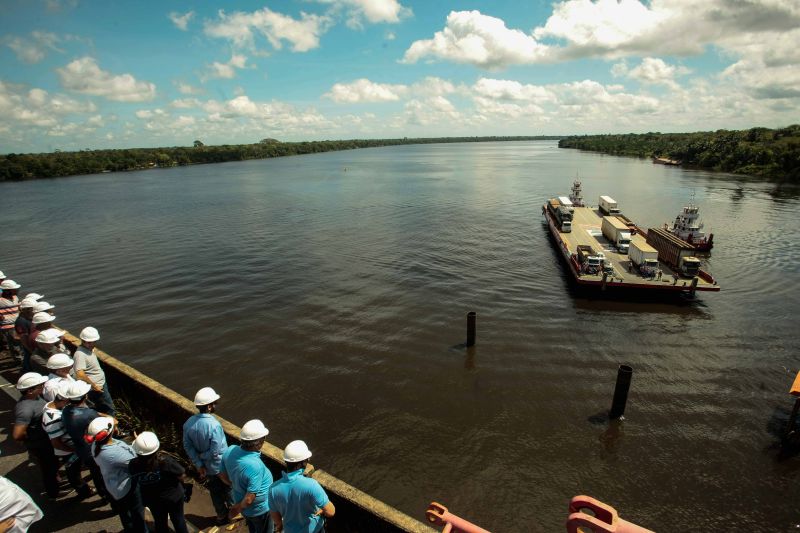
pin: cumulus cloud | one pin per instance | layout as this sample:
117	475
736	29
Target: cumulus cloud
373	11
364	90
85	76
241	28
34	48
181	21
185	88
651	71
477	39
429	111
226	70
37	107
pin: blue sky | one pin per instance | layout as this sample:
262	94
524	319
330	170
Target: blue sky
76	74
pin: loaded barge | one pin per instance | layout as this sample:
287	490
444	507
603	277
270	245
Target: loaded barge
596	248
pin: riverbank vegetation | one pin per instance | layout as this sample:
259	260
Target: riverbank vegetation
773	154
16	167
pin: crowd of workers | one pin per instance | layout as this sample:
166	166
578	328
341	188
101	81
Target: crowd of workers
66	418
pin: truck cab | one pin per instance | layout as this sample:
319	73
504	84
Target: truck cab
690	266
623	242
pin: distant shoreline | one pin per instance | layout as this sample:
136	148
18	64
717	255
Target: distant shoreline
23	167
768	153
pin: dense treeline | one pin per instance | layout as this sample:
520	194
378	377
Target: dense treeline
758	151
15	167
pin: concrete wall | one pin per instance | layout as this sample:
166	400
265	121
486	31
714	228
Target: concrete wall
355	510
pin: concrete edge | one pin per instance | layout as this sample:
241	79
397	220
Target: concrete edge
336	488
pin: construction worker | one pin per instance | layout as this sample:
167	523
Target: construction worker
76	417
28	429
63	446
23	326
204	441
88	369
161	480
298	503
9	311
113	457
243	469
60	365
17	510
48	343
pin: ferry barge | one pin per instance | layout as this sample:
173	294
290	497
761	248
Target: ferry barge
596	249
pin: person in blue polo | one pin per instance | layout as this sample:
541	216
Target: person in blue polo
298	504
243	469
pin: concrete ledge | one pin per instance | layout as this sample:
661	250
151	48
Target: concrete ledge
355	510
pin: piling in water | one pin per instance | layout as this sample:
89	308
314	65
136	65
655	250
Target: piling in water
624	375
472	316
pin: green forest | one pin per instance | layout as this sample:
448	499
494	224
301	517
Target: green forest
773	154
17	167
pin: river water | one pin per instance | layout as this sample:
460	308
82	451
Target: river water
326	294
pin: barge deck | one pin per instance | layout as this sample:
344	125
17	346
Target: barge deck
586	230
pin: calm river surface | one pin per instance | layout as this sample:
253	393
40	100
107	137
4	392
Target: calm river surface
326	294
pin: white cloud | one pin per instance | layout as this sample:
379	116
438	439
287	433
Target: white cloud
373	11
33	49
651	71
185	88
37	107
239	28
185	103
512	90
481	40
181	21
85	76
364	90
226	70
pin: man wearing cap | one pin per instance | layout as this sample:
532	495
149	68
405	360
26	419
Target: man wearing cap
298	503
243	469
88	369
9	310
48	342
62	444
23	327
76	417
28	428
60	365
204	441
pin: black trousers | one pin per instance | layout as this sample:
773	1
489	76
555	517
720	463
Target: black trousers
131	511
161	509
48	464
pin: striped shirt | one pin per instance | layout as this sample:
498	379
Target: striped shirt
9	311
51	422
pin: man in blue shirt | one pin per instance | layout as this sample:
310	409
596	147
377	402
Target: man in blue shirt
205	442
298	504
243	469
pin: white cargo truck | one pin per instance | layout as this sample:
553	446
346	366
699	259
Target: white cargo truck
608	206
617	232
643	256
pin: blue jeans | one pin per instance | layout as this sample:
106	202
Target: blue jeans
102	401
259	524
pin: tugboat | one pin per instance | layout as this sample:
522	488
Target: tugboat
688	227
576	196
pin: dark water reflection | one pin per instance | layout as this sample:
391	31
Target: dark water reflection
327	295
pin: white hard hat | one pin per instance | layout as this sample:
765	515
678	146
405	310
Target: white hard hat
42	306
146	443
89	334
99	425
63	389
29	380
10	284
59	360
41	318
205	396
296	451
27	304
253	430
48	336
35	296
2	276
77	390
